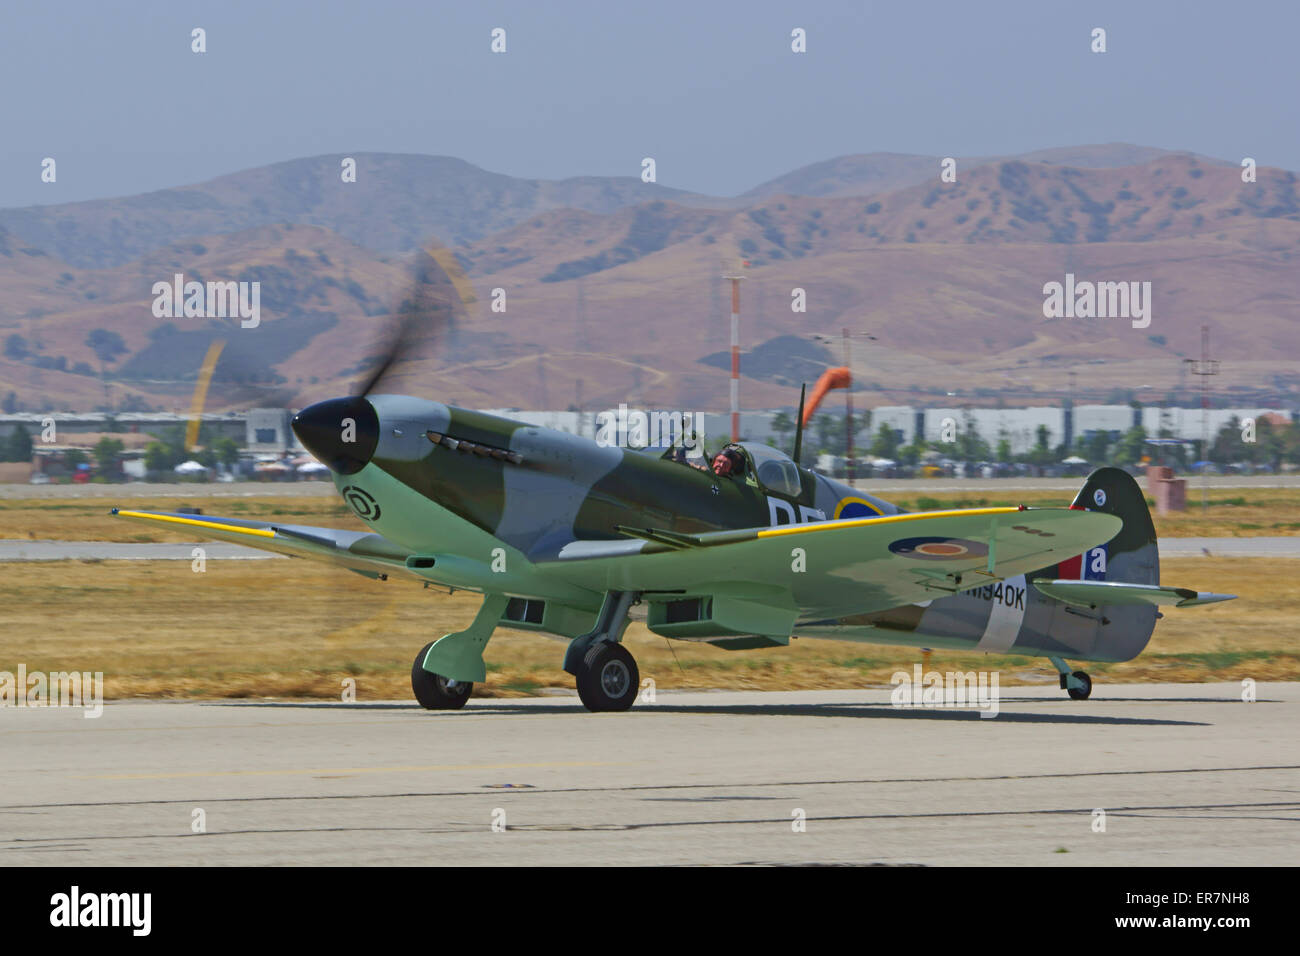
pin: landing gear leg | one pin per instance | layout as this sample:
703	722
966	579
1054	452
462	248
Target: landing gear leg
445	670
607	675
1076	683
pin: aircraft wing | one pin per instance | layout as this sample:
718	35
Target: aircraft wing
828	567
360	551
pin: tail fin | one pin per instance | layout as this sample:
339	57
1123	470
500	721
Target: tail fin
1131	556
1092	617
1107	599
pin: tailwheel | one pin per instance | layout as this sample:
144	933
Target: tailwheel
435	692
609	679
1081	692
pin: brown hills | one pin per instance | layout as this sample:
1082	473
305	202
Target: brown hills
610	298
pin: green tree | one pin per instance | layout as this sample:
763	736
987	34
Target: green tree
106	452
74	458
19	445
1131	446
157	457
226	451
782	424
886	443
1041	453
911	454
825	426
1227	445
1095	446
173	439
971	445
1291	443
1271	443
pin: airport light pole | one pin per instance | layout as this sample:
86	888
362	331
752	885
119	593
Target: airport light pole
1204	368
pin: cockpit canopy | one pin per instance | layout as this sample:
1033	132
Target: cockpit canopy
773	468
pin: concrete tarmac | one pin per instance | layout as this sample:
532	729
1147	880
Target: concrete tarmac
1185	774
885	487
18	549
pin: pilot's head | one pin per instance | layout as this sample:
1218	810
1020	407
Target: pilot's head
722	463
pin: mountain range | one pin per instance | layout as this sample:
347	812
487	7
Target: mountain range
613	288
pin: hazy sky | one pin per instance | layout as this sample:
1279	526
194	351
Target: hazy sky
711	90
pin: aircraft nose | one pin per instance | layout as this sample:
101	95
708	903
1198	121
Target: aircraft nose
341	433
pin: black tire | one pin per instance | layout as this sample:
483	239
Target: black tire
609	680
435	692
1080	693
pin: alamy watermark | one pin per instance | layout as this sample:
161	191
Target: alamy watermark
212	300
57	689
1098	300
634	428
75	908
931	689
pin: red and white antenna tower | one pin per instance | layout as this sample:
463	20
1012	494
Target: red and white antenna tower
734	270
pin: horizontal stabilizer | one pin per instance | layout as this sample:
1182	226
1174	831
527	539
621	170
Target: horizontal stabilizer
1113	593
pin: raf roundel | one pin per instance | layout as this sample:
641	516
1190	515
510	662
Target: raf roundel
938	549
362	502
1099	496
855	508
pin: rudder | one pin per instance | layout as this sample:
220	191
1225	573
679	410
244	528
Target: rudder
1130	557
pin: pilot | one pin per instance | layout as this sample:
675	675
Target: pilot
728	463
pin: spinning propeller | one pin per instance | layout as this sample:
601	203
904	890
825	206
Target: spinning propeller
342	433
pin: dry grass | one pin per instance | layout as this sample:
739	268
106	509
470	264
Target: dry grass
296	629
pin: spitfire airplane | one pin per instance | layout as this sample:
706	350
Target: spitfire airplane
570	538
563	536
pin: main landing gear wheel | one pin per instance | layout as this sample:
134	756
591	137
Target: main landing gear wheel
609	680
1080	693
435	692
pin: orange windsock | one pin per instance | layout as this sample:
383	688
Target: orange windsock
831	378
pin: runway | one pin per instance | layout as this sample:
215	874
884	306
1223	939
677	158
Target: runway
1185	774
18	549
885	487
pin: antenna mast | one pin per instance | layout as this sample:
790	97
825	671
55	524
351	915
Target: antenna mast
1204	368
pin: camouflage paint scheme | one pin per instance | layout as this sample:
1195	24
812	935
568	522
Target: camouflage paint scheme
547	525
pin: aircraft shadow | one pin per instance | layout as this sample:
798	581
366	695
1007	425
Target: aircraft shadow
313	704
876	711
853	710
